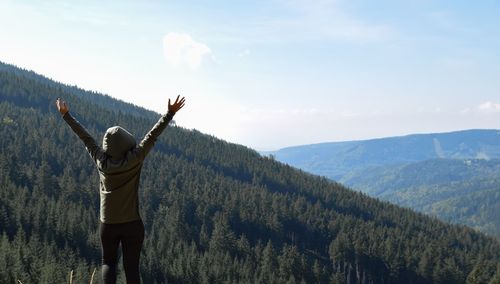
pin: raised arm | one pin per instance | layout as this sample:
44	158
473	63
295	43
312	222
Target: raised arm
149	139
94	150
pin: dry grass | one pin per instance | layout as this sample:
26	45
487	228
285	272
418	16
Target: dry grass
92	278
71	277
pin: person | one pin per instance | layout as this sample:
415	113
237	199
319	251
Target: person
119	162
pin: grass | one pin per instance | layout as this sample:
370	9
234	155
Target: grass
71	277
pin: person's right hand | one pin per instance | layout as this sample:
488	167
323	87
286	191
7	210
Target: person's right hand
178	104
62	107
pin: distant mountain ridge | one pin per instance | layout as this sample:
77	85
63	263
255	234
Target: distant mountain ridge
460	191
423	173
454	175
335	159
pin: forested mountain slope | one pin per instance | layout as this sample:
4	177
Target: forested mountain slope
214	212
337	159
99	99
453	176
386	180
460	191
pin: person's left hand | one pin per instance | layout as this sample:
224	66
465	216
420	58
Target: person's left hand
62	107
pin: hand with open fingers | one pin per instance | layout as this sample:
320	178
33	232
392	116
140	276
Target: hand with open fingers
62	107
178	104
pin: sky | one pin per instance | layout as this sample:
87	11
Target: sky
276	73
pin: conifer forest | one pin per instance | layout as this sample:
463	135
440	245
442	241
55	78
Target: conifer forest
214	212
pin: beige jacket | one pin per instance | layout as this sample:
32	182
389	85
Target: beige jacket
119	163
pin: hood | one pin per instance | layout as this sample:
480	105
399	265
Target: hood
117	142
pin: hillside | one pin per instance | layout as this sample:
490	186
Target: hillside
337	159
453	176
418	174
459	191
214	212
475	203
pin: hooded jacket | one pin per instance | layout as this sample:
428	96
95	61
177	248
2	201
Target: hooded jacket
119	163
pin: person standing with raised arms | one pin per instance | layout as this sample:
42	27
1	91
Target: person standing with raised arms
119	162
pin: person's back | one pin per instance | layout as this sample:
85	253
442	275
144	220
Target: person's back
119	162
119	174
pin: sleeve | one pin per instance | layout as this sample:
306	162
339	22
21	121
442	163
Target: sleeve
94	150
149	139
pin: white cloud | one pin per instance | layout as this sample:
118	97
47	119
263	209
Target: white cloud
180	49
489	106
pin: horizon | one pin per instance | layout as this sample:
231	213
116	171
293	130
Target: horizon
384	137
293	146
264	73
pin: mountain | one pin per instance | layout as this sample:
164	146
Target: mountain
110	103
453	176
455	190
214	212
336	159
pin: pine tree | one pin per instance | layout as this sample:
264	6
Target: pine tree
222	238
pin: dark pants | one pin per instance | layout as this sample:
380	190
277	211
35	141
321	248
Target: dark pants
131	236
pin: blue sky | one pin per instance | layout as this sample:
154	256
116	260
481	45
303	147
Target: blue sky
271	74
